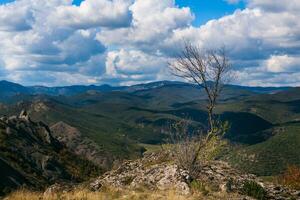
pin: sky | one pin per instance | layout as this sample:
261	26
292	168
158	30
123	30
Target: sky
125	42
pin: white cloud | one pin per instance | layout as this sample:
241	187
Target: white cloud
275	5
247	33
129	41
94	13
133	66
282	63
153	22
261	42
34	38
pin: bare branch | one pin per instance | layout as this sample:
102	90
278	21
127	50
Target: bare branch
208	69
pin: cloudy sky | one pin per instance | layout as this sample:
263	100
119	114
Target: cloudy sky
123	42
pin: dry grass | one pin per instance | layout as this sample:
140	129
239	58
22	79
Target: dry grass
291	177
103	195
113	194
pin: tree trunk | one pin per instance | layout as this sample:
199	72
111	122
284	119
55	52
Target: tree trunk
210	119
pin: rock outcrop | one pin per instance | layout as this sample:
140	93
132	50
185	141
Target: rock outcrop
157	172
148	172
220	174
30	156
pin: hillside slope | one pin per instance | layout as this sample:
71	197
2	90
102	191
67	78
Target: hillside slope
272	156
30	156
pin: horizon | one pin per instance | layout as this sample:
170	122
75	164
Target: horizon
171	81
65	42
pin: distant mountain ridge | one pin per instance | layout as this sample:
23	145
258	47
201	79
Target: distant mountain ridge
10	89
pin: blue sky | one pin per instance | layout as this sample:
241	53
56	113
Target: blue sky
124	42
5	1
204	10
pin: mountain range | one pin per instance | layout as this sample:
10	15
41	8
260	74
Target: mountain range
122	122
9	89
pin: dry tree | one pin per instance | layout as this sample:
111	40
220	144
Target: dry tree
209	69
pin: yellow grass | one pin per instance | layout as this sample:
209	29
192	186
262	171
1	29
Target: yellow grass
113	194
105	195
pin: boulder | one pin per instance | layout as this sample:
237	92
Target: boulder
138	174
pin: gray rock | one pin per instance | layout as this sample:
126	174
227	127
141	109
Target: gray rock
153	173
24	115
137	174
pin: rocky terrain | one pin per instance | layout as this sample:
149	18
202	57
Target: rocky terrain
83	147
91	130
31	157
158	172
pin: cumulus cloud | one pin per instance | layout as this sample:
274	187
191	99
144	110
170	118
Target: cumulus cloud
36	40
275	5
129	41
282	63
15	20
152	22
263	43
132	66
94	13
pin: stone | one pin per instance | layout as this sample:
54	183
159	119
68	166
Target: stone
136	174
154	173
24	115
57	188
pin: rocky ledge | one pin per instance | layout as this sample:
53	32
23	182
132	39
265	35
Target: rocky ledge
158	172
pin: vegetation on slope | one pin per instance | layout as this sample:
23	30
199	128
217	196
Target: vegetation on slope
272	156
118	121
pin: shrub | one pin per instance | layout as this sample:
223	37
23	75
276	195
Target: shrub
192	149
185	147
291	177
198	186
253	189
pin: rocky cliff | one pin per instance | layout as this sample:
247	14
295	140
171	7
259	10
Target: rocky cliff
30	156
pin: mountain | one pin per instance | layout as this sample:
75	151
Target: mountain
272	156
81	146
13	90
8	89
31	157
71	90
118	123
263	90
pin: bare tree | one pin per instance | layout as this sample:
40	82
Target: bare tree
210	69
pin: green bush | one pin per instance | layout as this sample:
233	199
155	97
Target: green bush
198	186
253	189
